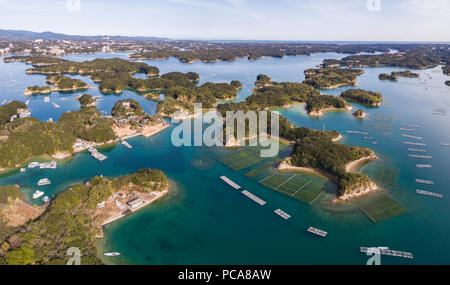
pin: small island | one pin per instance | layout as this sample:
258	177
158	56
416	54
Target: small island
364	97
87	100
406	73
85	207
385	76
61	84
331	77
360	114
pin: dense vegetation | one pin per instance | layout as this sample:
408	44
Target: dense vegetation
27	137
127	107
385	76
69	221
363	97
332	77
359	114
411	59
9	194
9	110
86	100
66	83
319	152
323	102
35	60
406	73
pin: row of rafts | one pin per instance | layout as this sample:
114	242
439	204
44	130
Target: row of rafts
313	230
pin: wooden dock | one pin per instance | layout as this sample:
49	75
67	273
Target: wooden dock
317	231
282	214
254	197
422	192
229	182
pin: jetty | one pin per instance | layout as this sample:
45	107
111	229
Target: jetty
254	197
282	214
229	182
386	251
422	181
317	231
125	143
420	156
413	143
411	137
423	165
422	192
417	150
357	132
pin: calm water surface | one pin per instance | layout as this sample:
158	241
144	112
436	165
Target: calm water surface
203	221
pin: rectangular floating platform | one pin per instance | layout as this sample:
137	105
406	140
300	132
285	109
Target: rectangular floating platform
420	156
357	132
411	137
417	149
231	183
424	166
422	192
317	231
407	130
422	181
411	125
389	252
282	214
413	143
254	197
445	144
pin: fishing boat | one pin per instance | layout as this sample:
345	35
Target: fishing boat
37	194
46	199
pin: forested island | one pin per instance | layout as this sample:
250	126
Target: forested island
364	97
86	100
61	83
360	114
406	73
75	218
269	94
385	76
332	77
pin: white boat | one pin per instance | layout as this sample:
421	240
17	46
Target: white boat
37	194
111	254
46	199
22	170
44	181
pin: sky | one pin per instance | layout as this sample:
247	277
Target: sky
282	20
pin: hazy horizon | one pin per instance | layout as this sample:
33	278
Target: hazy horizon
237	20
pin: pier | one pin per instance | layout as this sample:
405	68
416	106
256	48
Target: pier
317	231
126	144
385	251
282	214
422	181
422	192
229	182
254	197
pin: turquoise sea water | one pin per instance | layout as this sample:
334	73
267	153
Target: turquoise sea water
204	221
